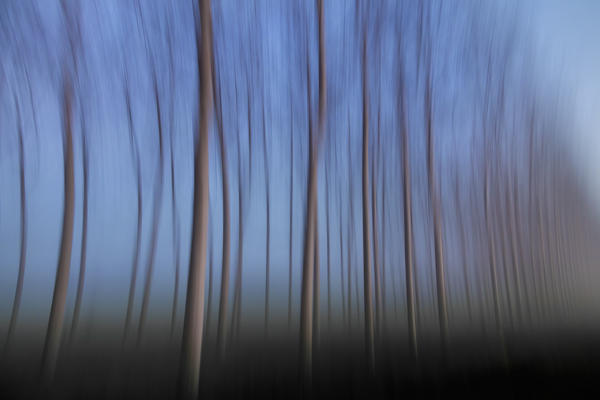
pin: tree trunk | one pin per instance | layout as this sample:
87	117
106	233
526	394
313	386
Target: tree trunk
138	235
23	248
408	235
291	223
225	261
306	305
59	297
369	344
82	261
194	305
268	227
158	191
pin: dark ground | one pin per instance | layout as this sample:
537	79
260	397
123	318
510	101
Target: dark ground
557	362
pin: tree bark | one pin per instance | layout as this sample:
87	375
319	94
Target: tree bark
23	248
369	344
59	297
194	306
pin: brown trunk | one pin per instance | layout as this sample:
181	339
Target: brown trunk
225	267
306	306
194	305
369	344
23	248
82	261
59	297
158	191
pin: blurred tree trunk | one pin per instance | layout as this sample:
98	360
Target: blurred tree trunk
225	267
268	226
317	280
369	344
158	191
23	248
291	221
408	230
82	260
138	235
59	297
194	306
306	306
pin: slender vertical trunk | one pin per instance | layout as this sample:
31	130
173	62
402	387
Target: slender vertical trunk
225	258
268	210
306	305
158	191
59	297
82	261
378	307
23	248
211	262
492	253
342	272
463	249
369	344
291	223
328	252
194	305
138	235
317	280
175	225
408	234
437	219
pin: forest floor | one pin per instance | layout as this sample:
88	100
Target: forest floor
552	363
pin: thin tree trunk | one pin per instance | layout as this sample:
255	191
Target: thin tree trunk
463	249
138	235
211	262
369	344
317	280
194	306
82	261
23	248
175	225
376	272
291	224
328	252
437	220
408	235
59	297
156	220
268	210
225	267
342	288
306	306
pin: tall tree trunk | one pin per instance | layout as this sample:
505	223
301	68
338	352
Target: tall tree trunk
82	261
291	223
23	248
437	218
378	306
306	306
175	225
408	232
317	280
268	227
194	305
158	191
211	262
463	249
138	235
328	252
342	288
369	344
225	261
59	297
